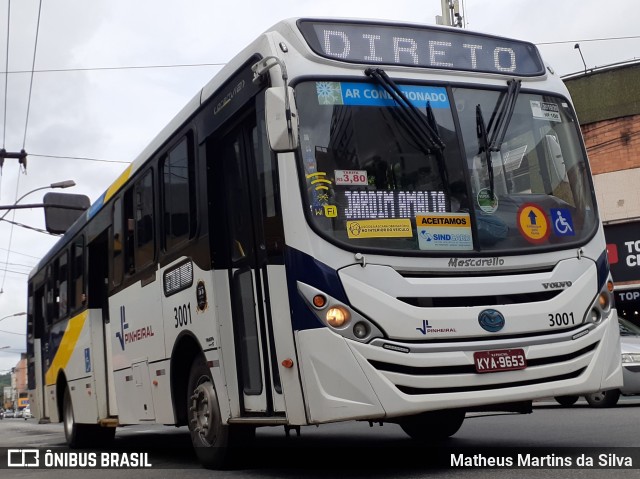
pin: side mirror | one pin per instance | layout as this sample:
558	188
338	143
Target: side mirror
557	160
282	119
61	210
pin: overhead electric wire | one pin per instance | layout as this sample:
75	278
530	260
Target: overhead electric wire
15	272
11	332
634	37
20	265
23	254
15	223
6	77
33	66
12	221
13	212
132	67
6	84
84	158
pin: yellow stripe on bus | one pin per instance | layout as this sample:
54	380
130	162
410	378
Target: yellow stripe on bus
66	348
116	185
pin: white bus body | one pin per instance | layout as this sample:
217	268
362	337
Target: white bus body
223	285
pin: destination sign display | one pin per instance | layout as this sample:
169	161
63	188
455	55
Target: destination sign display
421	46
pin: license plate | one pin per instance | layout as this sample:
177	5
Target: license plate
499	360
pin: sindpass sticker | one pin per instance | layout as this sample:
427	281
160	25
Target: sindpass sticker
444	231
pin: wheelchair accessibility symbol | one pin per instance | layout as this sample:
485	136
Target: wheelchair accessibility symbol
562	222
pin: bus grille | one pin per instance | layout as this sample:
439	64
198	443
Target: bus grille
492	300
463	373
420	391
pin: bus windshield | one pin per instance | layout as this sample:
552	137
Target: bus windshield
372	183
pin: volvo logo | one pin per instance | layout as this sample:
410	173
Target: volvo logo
491	320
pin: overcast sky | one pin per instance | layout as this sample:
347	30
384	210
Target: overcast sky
111	115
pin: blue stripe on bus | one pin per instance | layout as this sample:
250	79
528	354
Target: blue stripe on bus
305	268
602	263
95	207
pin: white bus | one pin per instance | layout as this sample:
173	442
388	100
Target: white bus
354	220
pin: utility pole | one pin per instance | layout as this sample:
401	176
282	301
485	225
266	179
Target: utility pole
445	18
451	16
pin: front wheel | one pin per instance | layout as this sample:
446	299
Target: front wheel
602	399
210	437
433	425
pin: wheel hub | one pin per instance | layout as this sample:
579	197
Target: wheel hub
204	407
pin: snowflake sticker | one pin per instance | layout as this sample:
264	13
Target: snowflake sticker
329	93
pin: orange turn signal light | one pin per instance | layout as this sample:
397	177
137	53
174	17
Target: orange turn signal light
319	301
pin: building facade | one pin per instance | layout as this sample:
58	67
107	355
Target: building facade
19	386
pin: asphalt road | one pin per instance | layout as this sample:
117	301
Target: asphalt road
356	450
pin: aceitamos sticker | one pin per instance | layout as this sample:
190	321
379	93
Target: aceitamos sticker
444	231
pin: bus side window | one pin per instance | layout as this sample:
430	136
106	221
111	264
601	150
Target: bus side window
47	303
117	263
77	297
129	243
39	312
62	281
144	228
178	196
52	294
269	193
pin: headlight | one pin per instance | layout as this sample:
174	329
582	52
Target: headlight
605	299
602	305
631	358
340	317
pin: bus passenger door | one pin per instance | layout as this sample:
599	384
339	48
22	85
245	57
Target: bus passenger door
98	254
238	236
36	340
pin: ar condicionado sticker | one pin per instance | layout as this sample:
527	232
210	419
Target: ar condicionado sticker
533	223
399	228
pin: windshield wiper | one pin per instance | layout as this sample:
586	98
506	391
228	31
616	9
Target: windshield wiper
422	129
491	138
483	140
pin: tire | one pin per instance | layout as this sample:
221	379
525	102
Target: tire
433	425
602	399
567	401
209	436
79	436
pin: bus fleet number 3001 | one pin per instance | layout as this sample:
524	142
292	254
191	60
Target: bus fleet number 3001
182	315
